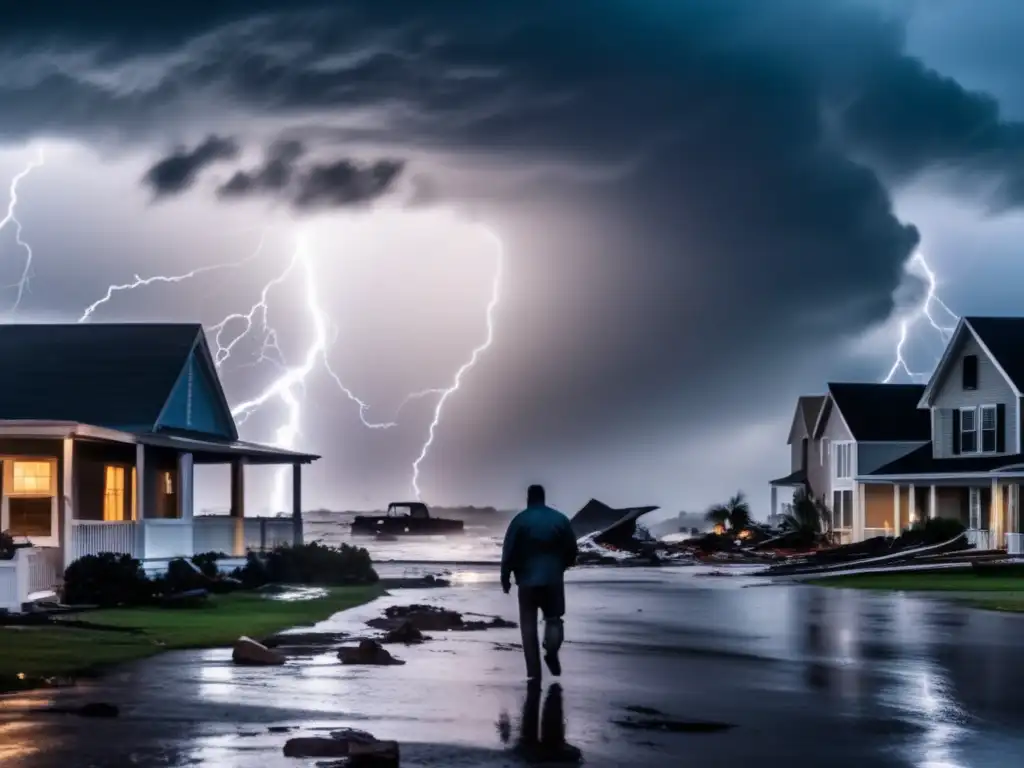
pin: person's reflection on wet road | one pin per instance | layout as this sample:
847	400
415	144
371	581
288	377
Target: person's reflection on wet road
546	744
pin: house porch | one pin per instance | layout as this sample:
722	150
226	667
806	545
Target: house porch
987	505
74	490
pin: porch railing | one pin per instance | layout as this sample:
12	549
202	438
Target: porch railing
11	583
216	533
870	533
166	539
1015	543
980	540
45	569
90	537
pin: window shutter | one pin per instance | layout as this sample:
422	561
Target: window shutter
1001	428
956	431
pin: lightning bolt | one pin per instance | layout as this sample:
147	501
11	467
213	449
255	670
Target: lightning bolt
926	311
492	304
11	218
289	386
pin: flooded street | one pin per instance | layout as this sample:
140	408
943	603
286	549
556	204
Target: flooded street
806	677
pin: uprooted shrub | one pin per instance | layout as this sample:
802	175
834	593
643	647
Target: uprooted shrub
106	580
207	563
313	563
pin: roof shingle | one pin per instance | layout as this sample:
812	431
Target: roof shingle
882	412
111	375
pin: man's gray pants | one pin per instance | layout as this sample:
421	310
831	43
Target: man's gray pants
549	600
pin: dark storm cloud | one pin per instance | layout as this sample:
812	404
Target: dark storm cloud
273	176
336	184
179	170
749	226
346	183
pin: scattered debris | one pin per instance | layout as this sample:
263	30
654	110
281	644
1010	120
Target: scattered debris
248	652
367	652
406	633
432	618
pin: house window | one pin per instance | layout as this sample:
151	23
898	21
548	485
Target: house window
167	496
825	449
30	516
968	430
843	461
974	509
113	494
842	510
32	478
969	371
989	415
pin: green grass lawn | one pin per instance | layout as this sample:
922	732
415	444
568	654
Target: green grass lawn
53	651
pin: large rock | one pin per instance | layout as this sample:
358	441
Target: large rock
355	748
367	652
248	652
405	633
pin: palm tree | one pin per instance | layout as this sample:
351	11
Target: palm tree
735	513
808	516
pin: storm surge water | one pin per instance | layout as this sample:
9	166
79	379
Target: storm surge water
480	543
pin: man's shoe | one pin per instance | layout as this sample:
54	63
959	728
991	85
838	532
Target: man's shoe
551	659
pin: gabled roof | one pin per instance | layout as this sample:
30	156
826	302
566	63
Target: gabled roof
1001	338
111	375
880	412
807	409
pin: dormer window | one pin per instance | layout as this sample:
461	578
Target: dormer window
969	371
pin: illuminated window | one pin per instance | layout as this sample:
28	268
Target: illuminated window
33	478
168	482
113	494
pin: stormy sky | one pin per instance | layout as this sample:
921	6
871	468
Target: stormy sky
705	208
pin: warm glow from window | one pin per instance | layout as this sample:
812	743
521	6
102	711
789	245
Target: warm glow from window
113	494
33	477
135	485
168	483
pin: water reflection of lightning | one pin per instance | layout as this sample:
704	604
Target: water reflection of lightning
926	311
11	219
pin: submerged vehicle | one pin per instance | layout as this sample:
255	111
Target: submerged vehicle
404	518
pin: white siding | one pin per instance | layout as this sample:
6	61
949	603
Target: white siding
993	389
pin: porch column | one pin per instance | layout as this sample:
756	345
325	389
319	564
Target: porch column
857	534
911	504
185	485
933	507
775	502
69	500
238	505
141	501
297	504
996	524
896	524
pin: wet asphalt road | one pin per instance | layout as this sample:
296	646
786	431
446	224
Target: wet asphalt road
807	677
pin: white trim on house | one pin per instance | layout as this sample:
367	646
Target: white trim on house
939	374
60	430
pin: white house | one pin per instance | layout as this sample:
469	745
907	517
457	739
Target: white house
101	426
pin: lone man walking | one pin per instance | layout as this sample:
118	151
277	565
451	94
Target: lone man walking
539	547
